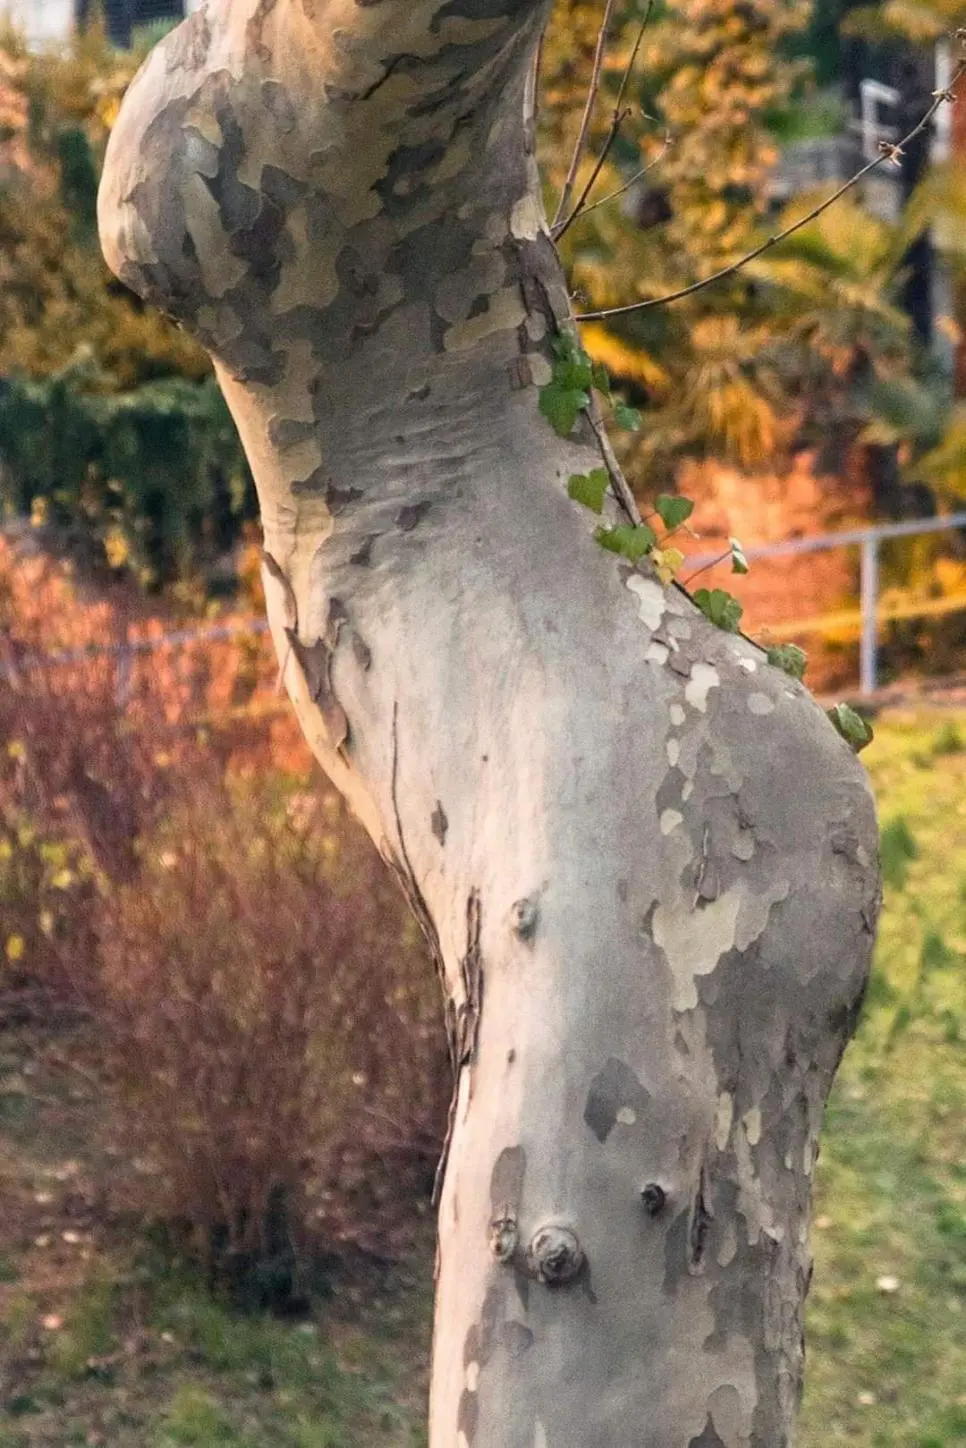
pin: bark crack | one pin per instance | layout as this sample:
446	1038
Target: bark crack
465	1042
700	1225
403	869
471	972
405	873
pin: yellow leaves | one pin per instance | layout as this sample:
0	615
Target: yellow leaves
623	361
16	946
951	575
667	562
117	550
108	110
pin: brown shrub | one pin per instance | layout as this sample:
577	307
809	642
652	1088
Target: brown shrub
269	1016
268	1020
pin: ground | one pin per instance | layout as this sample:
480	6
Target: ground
104	1342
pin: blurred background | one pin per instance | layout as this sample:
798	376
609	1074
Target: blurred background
223	1080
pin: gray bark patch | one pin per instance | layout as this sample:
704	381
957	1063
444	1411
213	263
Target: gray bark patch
469	1415
516	1338
315	661
506	1181
278	103
284	432
362	653
481	1338
439	823
614	1089
699	1228
362	557
187	48
412	515
708	1438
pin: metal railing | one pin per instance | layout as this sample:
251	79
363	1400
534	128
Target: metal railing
868	616
868	540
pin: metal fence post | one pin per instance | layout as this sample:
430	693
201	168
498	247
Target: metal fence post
869	590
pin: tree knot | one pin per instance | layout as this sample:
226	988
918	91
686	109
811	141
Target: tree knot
555	1256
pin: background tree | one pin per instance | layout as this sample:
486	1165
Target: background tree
805	345
617	823
111	426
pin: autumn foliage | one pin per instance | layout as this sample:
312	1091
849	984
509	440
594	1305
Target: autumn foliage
264	1011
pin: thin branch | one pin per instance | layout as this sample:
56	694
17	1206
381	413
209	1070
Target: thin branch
613	195
687	582
890	152
618	483
535	76
563	205
618	117
629	68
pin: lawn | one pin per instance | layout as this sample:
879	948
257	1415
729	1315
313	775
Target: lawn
887	1319
104	1342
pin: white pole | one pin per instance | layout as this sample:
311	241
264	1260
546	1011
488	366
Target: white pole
868	603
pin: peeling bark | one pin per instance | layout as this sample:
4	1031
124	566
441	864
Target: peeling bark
644	860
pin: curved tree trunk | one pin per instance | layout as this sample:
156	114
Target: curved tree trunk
644	859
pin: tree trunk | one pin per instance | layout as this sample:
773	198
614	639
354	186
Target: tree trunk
644	859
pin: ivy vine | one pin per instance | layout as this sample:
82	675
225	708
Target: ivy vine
568	394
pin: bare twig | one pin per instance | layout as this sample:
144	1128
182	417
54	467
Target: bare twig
613	195
615	125
890	152
629	68
618	483
563	205
687	582
535	76
619	115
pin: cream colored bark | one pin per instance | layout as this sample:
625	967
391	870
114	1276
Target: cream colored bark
644	859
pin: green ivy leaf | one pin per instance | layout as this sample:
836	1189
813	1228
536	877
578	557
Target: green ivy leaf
562	405
790	659
721	607
673	510
852	727
632	543
601	379
627	417
572	368
739	563
589	488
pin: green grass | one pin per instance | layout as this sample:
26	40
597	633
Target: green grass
887	1368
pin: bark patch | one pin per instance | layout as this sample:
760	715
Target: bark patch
439	822
506	1181
362	557
471	971
613	1090
412	515
469	1415
699	1227
516	1338
708	1438
315	661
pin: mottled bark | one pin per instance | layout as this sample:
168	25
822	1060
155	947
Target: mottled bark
644	858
